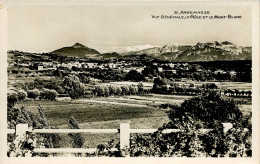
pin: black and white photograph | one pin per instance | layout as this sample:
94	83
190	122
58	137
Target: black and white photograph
131	79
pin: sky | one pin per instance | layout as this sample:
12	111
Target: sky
46	28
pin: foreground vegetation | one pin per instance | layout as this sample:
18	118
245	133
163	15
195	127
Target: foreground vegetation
207	111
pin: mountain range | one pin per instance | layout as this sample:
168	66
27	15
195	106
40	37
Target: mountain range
210	51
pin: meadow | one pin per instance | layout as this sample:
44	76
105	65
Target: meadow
95	115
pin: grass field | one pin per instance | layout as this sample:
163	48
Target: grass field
94	115
136	100
59	112
92	140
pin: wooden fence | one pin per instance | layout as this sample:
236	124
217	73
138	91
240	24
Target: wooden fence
124	132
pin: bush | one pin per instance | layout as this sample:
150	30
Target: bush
100	90
118	91
125	90
48	94
11	99
209	86
208	108
24	147
133	75
77	139
33	93
21	95
193	143
112	89
206	111
140	87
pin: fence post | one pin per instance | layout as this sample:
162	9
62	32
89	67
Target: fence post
124	135
226	127
20	130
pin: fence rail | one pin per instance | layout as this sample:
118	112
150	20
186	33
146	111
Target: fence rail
124	132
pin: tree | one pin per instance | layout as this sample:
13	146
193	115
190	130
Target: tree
57	73
112	89
106	91
28	143
172	89
100	90
21	94
140	87
77	138
11	99
209	86
118	90
125	90
208	108
191	85
158	83
206	111
85	79
33	93
249	93
132	90
74	87
48	94
133	75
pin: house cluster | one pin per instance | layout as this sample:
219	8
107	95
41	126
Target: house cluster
171	67
27	66
47	66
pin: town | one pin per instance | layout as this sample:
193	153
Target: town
140	87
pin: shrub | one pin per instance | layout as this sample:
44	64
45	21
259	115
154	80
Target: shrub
140	87
21	95
24	147
208	108
132	90
118	91
78	140
106	91
133	75
206	111
209	86
112	89
158	83
11	99
100	90
125	90
33	93
48	94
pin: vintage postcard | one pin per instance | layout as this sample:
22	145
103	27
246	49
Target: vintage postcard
129	81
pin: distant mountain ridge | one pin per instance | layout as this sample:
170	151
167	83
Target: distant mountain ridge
210	51
226	51
125	49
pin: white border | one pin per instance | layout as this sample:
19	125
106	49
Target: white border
56	160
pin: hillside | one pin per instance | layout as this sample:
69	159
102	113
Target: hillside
77	50
211	51
224	51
